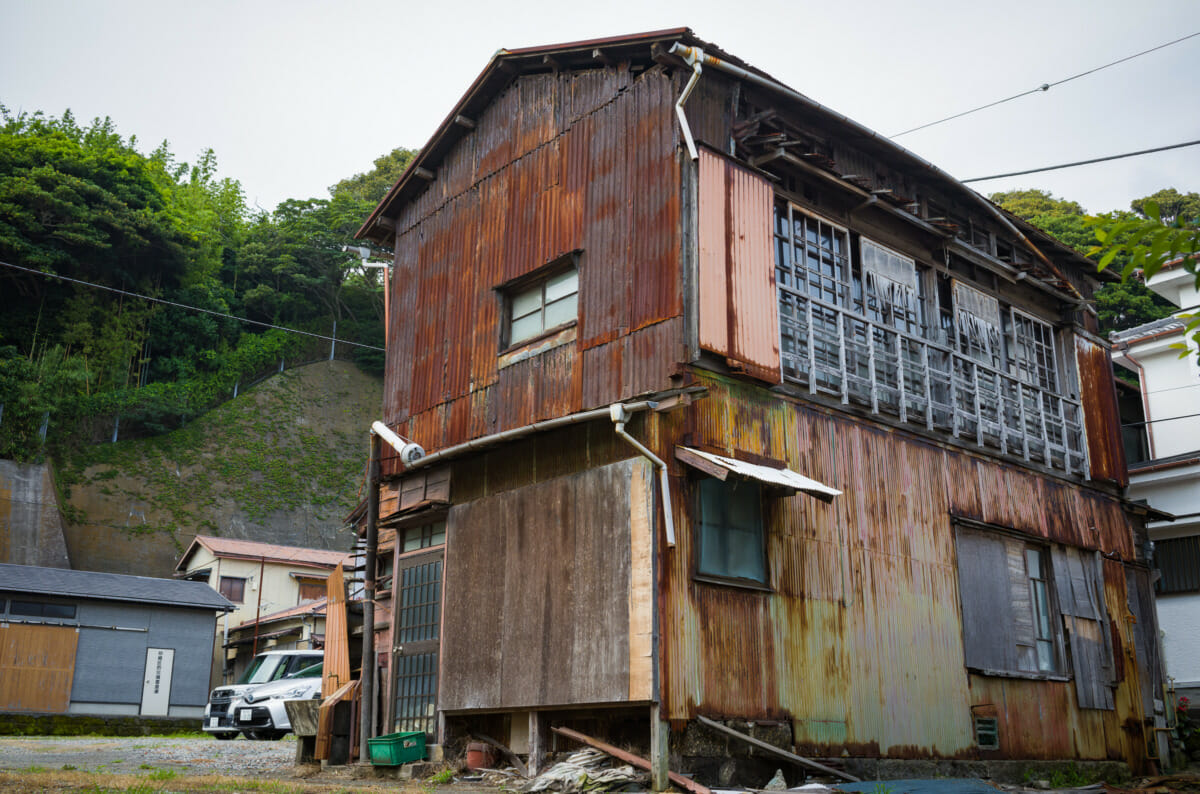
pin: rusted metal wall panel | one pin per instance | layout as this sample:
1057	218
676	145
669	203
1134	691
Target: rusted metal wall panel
585	161
861	636
553	626
739	318
1102	422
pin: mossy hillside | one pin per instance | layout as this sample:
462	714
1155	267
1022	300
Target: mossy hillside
283	462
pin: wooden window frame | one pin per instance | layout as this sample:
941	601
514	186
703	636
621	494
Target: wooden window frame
700	524
538	282
221	588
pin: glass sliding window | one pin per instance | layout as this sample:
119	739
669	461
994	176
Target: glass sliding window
1031	354
544	305
892	288
1040	593
424	536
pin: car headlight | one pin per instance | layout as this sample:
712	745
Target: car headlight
293	693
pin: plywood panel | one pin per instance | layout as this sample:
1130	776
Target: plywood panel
37	665
539	595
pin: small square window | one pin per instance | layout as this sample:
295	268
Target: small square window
987	733
730	533
539	306
233	588
425	536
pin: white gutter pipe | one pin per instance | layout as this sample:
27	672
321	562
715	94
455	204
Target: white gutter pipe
693	61
694	57
619	415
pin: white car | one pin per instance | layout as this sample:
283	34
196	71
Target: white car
267	666
259	712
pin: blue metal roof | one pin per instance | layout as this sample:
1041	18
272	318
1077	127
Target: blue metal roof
110	587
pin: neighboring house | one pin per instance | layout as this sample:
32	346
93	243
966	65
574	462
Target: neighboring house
260	579
1166	473
82	642
299	628
861	478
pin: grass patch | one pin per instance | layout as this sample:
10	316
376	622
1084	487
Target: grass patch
62	781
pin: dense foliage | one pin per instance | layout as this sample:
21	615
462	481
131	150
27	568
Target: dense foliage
87	223
1119	306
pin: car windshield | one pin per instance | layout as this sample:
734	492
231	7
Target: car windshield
312	671
261	670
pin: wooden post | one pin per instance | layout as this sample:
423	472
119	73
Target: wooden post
539	735
367	671
659	736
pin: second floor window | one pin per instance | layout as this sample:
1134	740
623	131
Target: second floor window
233	588
540	306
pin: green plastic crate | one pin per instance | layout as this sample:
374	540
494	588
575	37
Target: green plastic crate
394	749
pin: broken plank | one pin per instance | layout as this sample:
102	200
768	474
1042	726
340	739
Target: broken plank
630	758
770	748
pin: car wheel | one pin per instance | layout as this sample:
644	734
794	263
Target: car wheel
224	737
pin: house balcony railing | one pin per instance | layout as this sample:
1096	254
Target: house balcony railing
840	353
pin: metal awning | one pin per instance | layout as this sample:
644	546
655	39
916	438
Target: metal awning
721	467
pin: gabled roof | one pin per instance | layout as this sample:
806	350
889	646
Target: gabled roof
35	580
646	49
232	548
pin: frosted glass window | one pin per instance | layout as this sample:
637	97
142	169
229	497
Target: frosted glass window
543	306
731	530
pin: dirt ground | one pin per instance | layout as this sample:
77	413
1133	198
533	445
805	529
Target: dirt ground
154	764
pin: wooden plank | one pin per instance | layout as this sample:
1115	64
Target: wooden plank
633	760
773	750
685	455
641	581
337	639
37	667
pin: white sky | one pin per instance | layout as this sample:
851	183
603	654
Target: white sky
295	95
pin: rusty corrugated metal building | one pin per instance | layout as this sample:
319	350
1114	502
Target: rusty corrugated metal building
770	290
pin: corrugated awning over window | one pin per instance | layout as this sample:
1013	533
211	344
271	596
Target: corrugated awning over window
721	467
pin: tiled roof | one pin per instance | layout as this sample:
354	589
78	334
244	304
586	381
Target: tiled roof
109	587
1147	329
307	608
254	550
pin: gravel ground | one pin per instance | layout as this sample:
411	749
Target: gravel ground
133	754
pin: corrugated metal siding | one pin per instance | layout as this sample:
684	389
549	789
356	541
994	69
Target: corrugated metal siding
1102	422
861	640
584	161
739	317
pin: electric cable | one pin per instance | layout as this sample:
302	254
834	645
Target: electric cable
1047	86
1082	162
191	308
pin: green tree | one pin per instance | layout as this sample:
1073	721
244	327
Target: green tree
372	186
1118	306
1142	245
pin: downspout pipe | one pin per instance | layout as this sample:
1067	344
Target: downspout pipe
694	57
619	415
694	61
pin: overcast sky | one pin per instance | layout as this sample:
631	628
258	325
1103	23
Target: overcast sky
295	95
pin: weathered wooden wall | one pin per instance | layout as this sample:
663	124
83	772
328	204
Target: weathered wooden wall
548	593
859	642
584	161
37	665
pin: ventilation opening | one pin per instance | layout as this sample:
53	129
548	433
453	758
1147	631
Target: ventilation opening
987	733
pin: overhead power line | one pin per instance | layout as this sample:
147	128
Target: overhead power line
1082	162
1047	86
189	308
